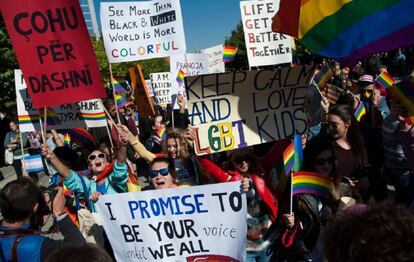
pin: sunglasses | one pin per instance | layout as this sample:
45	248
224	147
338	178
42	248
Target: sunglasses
93	157
322	161
162	171
240	159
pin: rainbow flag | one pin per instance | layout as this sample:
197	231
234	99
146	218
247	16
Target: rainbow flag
332	93
229	53
322	78
360	111
298	153
120	100
79	136
27	119
384	80
118	88
162	133
311	183
93	116
66	139
180	77
347	30
289	158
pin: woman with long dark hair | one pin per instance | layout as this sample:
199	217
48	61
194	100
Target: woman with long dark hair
346	140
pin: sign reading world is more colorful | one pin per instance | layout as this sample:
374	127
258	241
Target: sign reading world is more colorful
140	30
197	223
245	108
54	51
82	114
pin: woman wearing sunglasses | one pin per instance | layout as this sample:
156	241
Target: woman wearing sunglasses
262	206
162	173
104	177
311	212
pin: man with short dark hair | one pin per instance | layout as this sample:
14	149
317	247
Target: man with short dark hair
22	205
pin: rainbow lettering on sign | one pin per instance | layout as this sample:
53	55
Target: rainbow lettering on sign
221	137
144	50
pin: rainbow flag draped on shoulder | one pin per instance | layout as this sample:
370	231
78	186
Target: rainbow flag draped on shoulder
347	30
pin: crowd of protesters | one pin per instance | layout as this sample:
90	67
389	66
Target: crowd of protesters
360	221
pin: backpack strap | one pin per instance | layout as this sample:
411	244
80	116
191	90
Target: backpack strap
14	256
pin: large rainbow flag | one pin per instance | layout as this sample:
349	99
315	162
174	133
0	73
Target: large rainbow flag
347	30
311	183
79	136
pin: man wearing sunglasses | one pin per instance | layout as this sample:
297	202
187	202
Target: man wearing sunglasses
162	173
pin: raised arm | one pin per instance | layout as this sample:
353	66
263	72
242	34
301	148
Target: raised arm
126	135
54	160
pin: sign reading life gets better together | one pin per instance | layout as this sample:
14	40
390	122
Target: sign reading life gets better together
197	223
264	47
245	108
142	30
82	114
54	51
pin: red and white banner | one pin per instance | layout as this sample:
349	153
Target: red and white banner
54	51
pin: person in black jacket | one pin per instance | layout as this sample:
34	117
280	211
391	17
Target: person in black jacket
23	207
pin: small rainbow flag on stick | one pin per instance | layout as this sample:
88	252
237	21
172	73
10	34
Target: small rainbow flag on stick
384	80
360	111
289	158
180	77
298	154
322	78
118	88
332	93
162	133
229	53
121	100
66	139
311	183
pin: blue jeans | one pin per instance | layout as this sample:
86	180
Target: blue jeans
259	256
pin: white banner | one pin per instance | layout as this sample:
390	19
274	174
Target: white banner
83	114
135	31
161	85
215	58
197	223
244	108
192	65
262	45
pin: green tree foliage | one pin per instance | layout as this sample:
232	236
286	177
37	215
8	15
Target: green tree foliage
237	39
8	63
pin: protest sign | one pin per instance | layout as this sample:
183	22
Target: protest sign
82	114
263	46
245	108
161	86
191	65
54	51
149	87
135	31
142	98
184	224
215	58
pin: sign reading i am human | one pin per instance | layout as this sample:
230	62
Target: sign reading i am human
215	58
263	46
54	51
197	223
245	108
161	86
82	114
140	30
